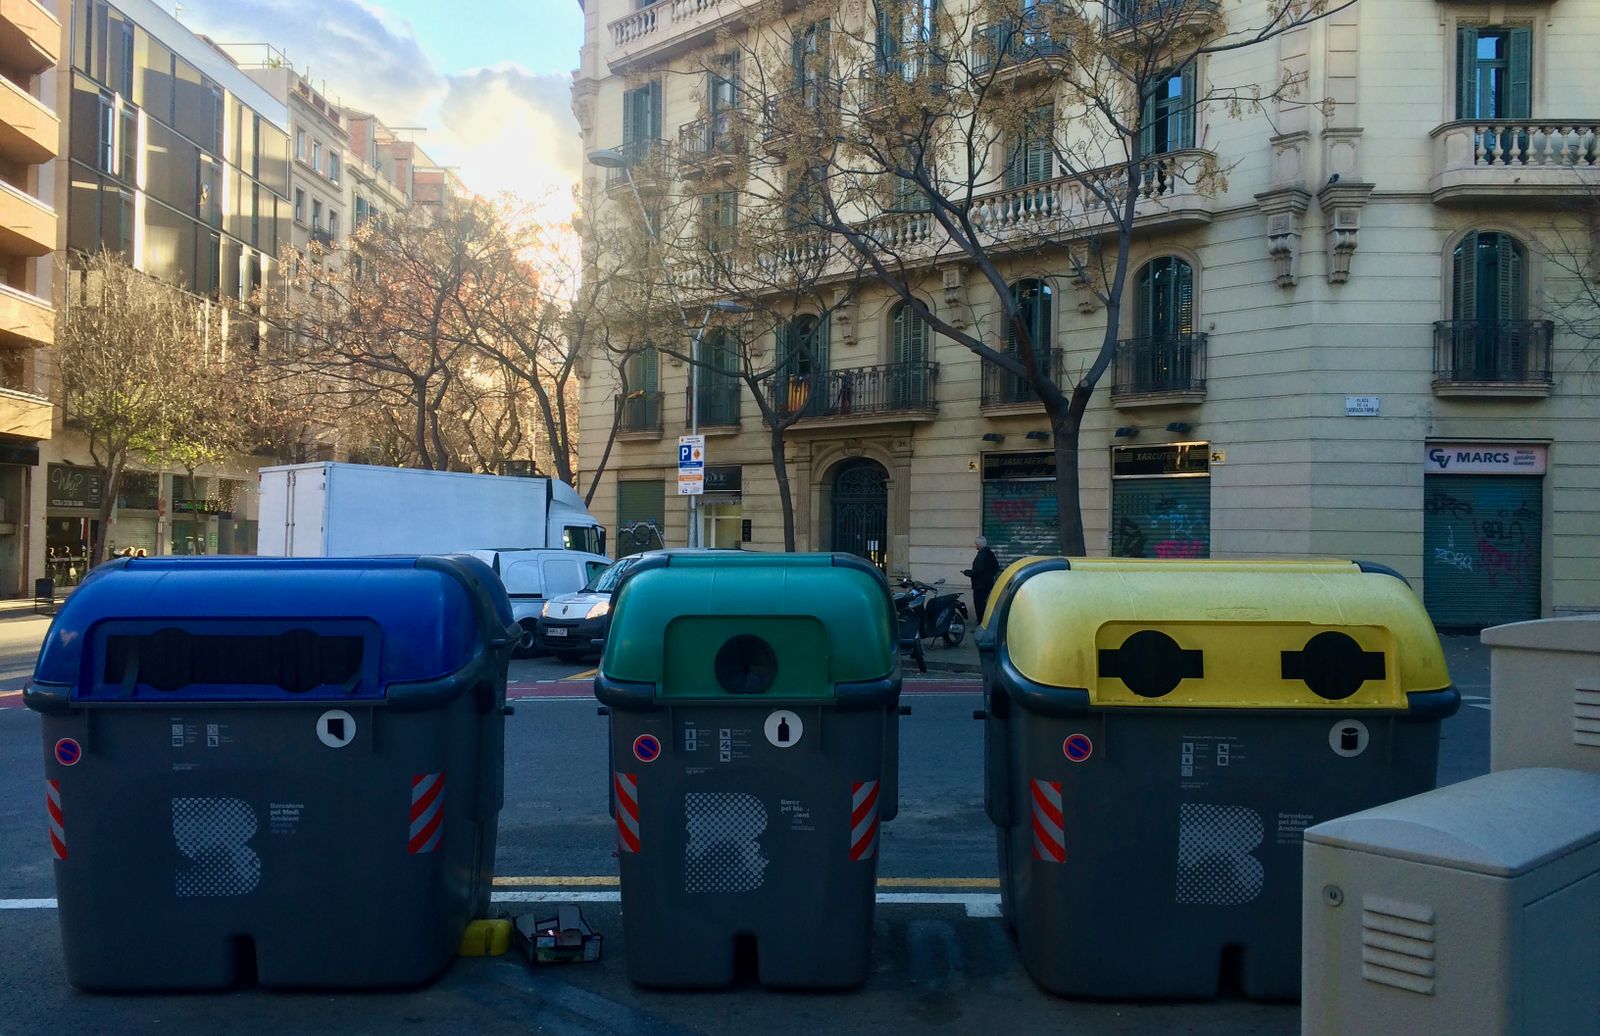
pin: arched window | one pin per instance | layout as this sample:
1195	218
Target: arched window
803	345
909	335
1164	298
1489	279
1033	301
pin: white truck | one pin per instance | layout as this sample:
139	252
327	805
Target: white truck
347	510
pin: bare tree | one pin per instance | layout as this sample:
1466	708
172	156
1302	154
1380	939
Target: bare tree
926	135
144	370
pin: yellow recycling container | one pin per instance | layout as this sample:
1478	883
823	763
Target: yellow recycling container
1158	733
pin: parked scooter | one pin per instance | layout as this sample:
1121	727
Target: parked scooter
925	614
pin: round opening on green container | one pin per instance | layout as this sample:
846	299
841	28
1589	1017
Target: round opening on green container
746	664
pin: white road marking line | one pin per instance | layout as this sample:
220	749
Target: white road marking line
1477	701
976	904
27	904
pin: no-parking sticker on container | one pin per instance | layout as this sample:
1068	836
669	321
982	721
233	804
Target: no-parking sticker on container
1077	747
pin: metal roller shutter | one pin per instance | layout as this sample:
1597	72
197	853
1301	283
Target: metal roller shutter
1021	518
1481	545
1161	518
641	515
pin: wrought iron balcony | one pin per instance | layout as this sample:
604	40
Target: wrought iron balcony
802	112
719	403
1489	161
1002	388
1162	365
892	388
640	414
709	143
1157	16
1510	357
1013	42
643	158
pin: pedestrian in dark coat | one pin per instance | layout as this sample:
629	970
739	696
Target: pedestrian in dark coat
985	567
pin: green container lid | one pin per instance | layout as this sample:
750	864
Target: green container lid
740	625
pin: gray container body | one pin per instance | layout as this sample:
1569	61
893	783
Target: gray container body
188	862
726	840
1143	870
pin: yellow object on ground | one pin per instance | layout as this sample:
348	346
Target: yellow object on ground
486	938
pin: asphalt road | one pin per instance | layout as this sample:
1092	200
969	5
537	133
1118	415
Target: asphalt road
942	962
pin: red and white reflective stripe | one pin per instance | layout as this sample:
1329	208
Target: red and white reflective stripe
58	830
627	785
1049	843
427	813
863	820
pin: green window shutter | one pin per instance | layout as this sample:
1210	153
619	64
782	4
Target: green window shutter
888	45
648	364
654	96
820	343
1464	279
1519	93
910	336
1144	302
629	103
1183	298
1041	143
1187	112
1147	125
1016	163
1466	72
1511	301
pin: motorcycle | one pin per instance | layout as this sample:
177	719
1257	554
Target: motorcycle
925	614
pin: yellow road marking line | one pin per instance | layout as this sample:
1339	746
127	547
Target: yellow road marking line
587	675
609	881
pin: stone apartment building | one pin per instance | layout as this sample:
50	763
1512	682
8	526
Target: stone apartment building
1358	347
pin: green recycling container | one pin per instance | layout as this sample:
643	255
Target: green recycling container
754	703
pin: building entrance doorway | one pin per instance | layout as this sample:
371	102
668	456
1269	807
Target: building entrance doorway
861	510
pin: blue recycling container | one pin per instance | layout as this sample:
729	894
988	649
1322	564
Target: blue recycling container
282	768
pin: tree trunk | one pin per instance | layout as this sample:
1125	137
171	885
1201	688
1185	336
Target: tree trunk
1065	429
780	469
110	482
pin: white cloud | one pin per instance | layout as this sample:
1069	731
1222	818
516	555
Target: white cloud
504	128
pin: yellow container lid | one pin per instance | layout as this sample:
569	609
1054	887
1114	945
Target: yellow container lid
1135	632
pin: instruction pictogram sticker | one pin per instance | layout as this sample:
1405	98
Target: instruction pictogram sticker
1077	747
647	748
68	751
783	728
1349	738
336	728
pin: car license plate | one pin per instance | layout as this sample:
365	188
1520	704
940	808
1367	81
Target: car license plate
557	631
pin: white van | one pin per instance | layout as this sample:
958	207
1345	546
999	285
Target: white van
532	577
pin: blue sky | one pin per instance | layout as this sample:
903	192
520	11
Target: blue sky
490	79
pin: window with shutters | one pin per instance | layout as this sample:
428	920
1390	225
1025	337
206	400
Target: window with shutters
1170	107
1032	158
641	407
722	97
1489	337
909	332
802	358
1166	354
807	207
1494	72
719	378
1033	300
809	57
907	37
641	114
719	214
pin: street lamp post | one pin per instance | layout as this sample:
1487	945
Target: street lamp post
611	158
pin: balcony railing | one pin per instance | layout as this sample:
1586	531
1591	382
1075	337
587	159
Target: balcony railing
858	391
640	413
719	404
1122	15
1041	207
1492	352
800	111
1002	388
638	154
1162	364
1489	161
709	138
1016	41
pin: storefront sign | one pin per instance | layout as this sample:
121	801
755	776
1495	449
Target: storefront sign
1016	467
1484	458
1163	461
28	455
727	478
77	488
213	506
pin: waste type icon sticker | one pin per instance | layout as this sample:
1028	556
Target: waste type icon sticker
1077	747
784	729
646	748
336	728
68	751
1349	738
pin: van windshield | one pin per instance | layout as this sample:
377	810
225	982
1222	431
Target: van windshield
583	537
606	580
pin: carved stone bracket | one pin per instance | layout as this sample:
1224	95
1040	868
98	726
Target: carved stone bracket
844	318
1078	277
1284	208
1342	204
955	296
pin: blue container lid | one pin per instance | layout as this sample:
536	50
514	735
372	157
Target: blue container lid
327	628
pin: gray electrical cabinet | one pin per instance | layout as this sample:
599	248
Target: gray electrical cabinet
1545	685
1471	909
